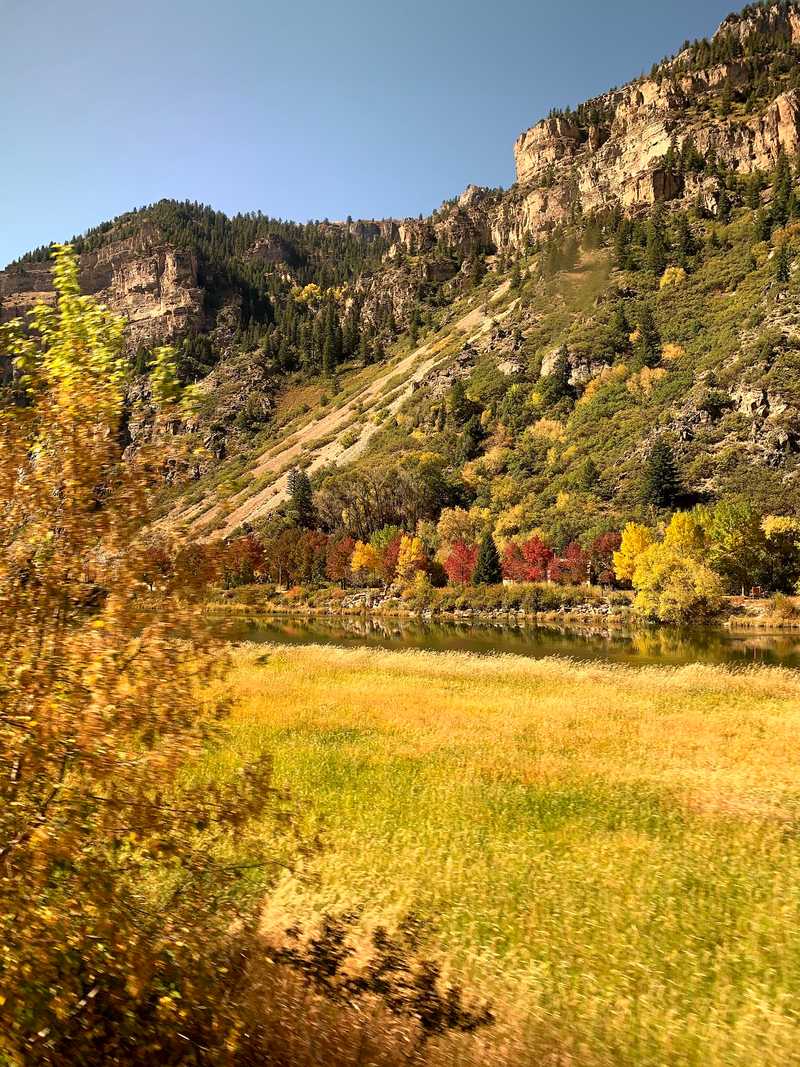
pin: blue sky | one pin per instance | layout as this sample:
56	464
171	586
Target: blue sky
302	110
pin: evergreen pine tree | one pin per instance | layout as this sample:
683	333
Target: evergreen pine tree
753	196
684	239
487	565
413	329
724	205
477	269
762	226
516	275
459	405
660	484
699	206
301	499
622	245
648	340
328	354
726	98
657	242
619	330
588	477
782	190
350	332
782	263
364	349
555	387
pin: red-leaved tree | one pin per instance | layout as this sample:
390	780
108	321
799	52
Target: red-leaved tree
515	566
538	557
571	567
388	561
528	561
338	556
460	564
601	555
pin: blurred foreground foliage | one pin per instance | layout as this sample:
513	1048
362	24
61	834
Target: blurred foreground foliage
131	887
117	892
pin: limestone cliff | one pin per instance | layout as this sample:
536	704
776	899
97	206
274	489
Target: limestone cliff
614	149
154	285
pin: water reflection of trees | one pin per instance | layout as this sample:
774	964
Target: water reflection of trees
653	645
715	646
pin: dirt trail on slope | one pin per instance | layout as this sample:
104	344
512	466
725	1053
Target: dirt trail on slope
411	369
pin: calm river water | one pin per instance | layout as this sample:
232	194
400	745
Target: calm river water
660	646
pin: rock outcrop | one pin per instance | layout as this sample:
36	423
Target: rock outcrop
614	151
617	156
153	285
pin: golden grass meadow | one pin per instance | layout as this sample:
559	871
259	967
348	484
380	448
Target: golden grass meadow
610	855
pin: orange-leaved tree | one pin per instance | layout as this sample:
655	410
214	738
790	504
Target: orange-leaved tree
122	899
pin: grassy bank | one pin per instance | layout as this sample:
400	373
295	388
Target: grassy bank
529	600
538	602
611	855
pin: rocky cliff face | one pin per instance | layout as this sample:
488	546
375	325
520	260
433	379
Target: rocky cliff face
780	20
618	157
154	285
617	150
623	162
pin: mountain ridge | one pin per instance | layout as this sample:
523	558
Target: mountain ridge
677	171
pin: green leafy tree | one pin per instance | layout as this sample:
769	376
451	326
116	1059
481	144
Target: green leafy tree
737	547
488	570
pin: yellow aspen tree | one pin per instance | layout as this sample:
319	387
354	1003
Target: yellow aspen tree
636	538
411	558
365	560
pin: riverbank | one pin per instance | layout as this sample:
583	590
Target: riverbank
649	646
514	604
583	607
606	854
